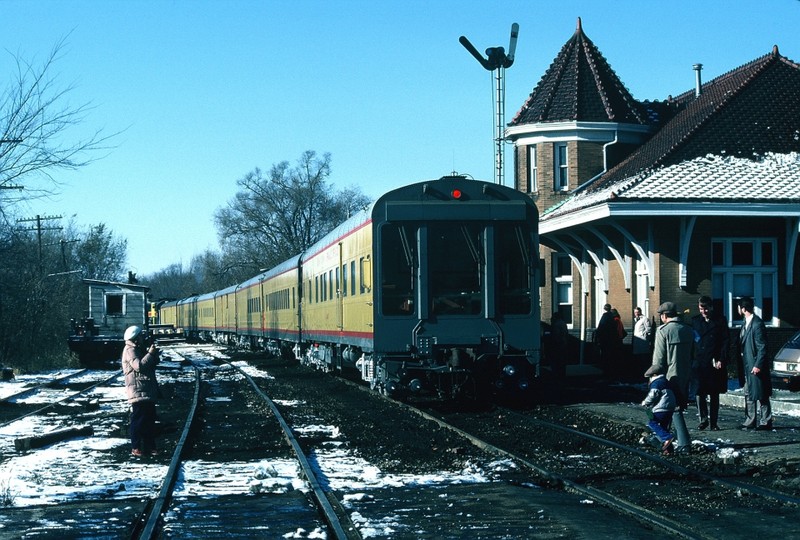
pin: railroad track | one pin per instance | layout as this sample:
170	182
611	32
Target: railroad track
619	485
55	387
234	432
171	516
206	433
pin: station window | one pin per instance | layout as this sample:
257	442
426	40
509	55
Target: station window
533	173
745	267
561	168
562	278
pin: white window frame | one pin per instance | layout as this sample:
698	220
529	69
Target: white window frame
533	171
559	281
642	287
561	167
758	280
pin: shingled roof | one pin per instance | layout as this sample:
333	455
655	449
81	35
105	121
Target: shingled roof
750	115
747	112
580	86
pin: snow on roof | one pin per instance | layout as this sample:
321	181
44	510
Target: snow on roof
711	178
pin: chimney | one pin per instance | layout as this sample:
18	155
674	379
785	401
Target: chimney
698	83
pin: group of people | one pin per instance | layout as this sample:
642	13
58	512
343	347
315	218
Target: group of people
691	359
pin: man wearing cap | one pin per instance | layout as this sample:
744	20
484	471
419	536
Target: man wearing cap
139	367
672	356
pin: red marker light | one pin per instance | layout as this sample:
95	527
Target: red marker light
456	193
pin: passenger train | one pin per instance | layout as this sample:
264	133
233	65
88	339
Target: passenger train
432	289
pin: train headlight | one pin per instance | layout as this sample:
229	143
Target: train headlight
415	385
523	384
509	370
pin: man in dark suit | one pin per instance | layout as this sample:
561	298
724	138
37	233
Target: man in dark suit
757	386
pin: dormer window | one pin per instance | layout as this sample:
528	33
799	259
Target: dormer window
560	170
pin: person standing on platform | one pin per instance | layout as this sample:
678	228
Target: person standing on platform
757	385
672	356
605	336
641	340
711	361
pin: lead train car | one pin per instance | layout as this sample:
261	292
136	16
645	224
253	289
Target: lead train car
433	288
439	290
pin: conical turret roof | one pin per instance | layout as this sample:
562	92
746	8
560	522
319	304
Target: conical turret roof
580	86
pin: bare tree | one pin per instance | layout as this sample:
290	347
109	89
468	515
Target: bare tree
35	116
98	254
278	215
41	289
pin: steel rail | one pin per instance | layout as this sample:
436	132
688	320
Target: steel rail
323	501
156	508
68	398
613	501
43	385
750	488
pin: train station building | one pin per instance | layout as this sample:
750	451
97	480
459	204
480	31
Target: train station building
646	202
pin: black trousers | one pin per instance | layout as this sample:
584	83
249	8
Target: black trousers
143	423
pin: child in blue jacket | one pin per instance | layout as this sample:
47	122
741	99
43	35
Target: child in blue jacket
662	402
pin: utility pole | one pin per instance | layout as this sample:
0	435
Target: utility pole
39	228
63	243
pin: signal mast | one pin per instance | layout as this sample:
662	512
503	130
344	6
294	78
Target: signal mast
497	61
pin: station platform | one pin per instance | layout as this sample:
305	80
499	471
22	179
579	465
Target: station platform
783	402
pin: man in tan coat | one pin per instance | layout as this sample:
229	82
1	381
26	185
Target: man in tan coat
672	356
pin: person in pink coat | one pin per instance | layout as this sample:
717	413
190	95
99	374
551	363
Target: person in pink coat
139	368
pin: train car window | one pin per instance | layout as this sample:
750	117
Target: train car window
512	270
455	268
316	288
398	263
344	279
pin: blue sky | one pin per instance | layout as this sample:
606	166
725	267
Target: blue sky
203	92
